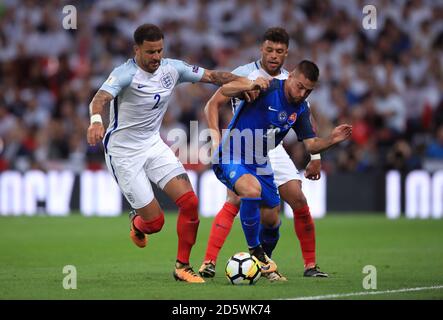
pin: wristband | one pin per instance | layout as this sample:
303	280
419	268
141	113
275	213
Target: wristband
96	118
315	156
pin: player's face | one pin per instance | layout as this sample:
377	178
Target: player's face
299	87
149	55
273	56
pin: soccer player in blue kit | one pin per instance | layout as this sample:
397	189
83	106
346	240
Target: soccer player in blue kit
241	161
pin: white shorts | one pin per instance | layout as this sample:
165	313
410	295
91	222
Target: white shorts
284	168
157	163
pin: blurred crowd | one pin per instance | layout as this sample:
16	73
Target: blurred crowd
387	82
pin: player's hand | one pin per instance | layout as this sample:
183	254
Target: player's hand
251	95
260	84
96	132
341	133
313	170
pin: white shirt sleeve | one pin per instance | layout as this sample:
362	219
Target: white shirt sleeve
186	72
119	78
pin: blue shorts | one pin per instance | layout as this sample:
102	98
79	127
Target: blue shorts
229	173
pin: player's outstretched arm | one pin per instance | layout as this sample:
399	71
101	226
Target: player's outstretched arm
339	134
218	77
212	108
240	85
96	129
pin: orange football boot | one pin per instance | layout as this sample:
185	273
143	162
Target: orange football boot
138	237
184	272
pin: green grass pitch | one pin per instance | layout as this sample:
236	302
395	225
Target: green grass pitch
34	250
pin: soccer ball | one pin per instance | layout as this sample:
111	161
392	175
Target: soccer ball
242	268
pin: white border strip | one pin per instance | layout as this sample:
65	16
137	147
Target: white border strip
365	293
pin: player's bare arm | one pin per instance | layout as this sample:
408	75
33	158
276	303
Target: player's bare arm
96	129
212	108
313	169
240	85
218	77
339	134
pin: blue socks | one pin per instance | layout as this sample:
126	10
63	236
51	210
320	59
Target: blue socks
250	220
269	238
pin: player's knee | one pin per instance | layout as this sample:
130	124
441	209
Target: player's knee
248	187
252	192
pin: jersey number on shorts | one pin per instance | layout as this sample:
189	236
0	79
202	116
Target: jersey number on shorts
156	97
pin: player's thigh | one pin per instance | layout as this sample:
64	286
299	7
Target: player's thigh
131	179
238	178
283	166
166	171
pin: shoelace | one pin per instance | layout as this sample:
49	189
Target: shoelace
191	271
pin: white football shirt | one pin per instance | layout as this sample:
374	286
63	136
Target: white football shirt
140	102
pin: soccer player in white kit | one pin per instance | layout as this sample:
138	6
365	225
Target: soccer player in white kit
135	154
274	50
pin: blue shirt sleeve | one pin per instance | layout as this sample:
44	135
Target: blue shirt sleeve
186	72
119	78
303	127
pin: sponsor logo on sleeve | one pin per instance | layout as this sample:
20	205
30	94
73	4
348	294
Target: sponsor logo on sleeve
110	80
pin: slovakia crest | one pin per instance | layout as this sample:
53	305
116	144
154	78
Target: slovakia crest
167	81
292	118
282	116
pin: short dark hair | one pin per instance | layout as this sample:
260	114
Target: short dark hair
147	32
277	34
309	69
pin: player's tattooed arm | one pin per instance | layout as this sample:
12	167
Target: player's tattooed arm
242	84
183	176
100	99
96	129
218	77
